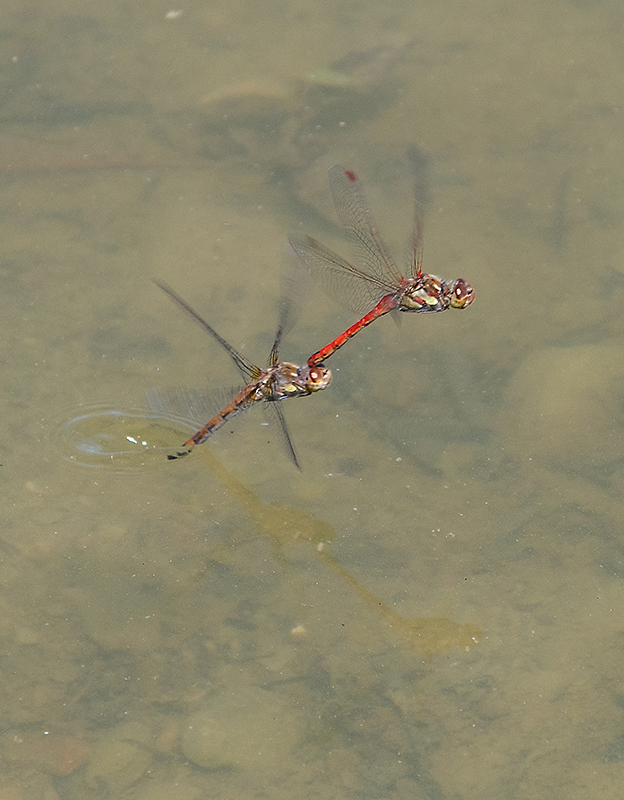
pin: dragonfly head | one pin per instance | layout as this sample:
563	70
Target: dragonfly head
317	377
461	294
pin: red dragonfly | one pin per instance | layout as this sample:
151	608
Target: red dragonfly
376	285
280	380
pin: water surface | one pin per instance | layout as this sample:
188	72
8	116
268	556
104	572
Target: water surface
432	607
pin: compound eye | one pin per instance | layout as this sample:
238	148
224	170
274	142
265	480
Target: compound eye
462	294
318	377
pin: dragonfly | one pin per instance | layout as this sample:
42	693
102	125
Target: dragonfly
375	286
279	381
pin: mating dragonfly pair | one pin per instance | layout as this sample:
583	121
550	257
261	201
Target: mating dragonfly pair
374	287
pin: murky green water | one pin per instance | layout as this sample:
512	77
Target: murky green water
433	607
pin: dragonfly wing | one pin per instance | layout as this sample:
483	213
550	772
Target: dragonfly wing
397	317
189	407
419	165
416	260
356	289
293	291
287	313
193	409
275	412
354	213
249	371
274	354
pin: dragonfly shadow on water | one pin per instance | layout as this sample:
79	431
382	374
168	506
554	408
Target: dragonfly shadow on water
133	441
287	527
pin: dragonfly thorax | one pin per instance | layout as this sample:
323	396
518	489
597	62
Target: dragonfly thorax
424	293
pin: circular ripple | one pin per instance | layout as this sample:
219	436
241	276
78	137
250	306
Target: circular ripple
104	437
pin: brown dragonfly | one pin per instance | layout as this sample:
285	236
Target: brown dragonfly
279	381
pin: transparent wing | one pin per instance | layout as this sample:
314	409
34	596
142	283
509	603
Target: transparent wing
357	290
250	371
190	407
354	213
288	311
193	409
275	415
419	164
